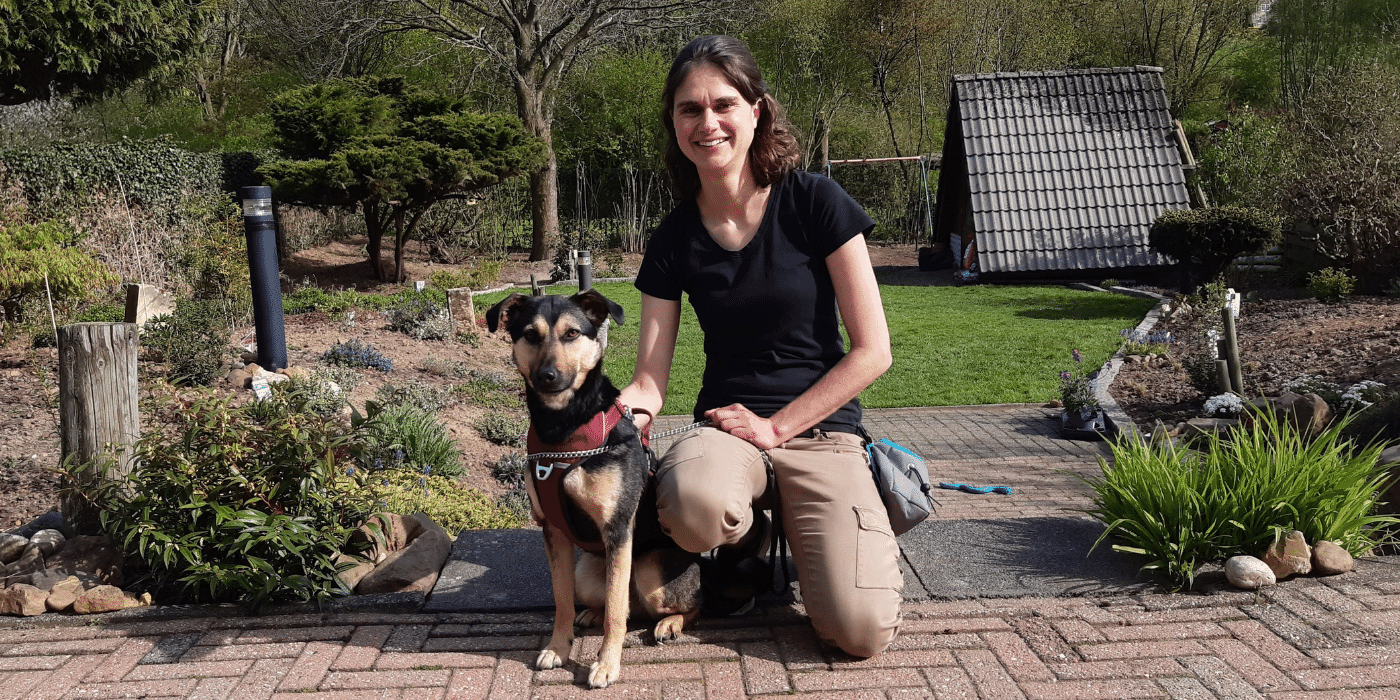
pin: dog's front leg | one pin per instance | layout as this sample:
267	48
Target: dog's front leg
560	552
609	664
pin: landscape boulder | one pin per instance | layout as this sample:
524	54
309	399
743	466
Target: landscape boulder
22	599
412	569
1329	558
1289	556
1248	573
11	547
108	599
1308	413
63	594
49	542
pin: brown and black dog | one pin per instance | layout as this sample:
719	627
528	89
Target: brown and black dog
604	502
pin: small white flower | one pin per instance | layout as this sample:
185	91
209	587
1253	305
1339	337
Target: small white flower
1224	405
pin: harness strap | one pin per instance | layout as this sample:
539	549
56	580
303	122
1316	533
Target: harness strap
549	471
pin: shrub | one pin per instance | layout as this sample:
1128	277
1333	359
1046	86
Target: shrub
403	434
1330	285
222	507
1181	509
307	299
442	367
193	341
30	253
1077	389
1207	240
1201	371
353	353
491	390
326	390
1378	421
428	399
480	276
448	503
420	317
502	428
1305	384
509	469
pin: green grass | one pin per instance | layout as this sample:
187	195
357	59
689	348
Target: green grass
953	346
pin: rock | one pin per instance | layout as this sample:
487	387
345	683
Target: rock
1311	414
415	568
1132	359
64	594
299	373
22	599
395	532
90	554
1329	558
1288	556
1207	426
351	577
108	599
52	520
1160	433
427	523
1249	573
1390	456
253	368
240	379
31	561
11	547
273	378
1391	496
49	542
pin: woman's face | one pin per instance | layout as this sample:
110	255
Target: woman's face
714	123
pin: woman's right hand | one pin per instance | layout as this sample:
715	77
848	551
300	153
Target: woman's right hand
642	414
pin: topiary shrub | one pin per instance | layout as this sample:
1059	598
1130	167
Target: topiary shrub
226	504
1205	241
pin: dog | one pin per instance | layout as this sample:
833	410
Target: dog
605	502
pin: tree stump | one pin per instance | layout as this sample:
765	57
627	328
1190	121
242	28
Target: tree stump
99	419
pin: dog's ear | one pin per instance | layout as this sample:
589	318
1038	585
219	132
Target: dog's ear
597	307
504	306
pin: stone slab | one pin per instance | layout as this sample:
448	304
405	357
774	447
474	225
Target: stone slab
493	571
1041	557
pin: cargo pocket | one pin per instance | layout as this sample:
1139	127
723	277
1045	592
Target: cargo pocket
877	552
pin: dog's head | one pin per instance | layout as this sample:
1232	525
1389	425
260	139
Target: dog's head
555	340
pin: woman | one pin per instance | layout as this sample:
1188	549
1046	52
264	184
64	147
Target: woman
767	255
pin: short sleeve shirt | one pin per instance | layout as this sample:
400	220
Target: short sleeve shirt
768	311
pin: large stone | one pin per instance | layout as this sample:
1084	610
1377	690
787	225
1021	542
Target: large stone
90	554
63	594
1289	556
52	520
1329	558
1249	573
1311	414
22	599
1208	426
31	561
108	599
145	302
11	547
240	378
386	533
414	568
1390	499
426	521
49	542
357	572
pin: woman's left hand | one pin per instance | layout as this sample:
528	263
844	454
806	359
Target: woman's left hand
740	422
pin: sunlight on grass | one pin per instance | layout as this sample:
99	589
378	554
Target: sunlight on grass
952	346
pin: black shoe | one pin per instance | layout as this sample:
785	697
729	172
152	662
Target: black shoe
734	576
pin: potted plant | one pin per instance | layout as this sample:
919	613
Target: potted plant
1082	415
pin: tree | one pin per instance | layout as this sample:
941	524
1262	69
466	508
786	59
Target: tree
390	151
535	42
89	48
1319	39
1206	241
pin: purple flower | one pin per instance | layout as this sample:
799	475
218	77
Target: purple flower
1065	376
1077	356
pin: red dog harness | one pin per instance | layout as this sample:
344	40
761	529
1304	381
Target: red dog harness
549	470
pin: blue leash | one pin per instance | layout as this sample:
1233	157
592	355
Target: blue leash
967	488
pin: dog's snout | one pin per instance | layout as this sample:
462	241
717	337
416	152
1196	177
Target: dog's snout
548	379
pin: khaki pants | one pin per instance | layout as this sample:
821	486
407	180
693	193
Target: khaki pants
846	556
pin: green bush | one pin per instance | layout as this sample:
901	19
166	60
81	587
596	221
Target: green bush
1182	509
448	503
223	507
428	399
308	299
32	253
480	276
326	390
1202	372
404	435
420	317
492	390
1208	240
502	428
193	341
1331	285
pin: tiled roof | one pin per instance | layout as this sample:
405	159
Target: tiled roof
1068	169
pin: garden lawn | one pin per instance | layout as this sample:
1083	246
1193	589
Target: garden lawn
953	346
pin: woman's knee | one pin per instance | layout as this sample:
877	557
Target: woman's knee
864	632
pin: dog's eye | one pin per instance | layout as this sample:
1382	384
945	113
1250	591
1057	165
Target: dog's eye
571	334
531	335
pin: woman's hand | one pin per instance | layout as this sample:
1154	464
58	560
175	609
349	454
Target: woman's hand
742	423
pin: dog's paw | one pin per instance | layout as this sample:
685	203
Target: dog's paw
589	617
549	658
669	628
602	673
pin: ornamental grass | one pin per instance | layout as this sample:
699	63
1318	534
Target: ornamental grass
1182	508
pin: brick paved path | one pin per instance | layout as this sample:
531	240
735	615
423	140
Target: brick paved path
1332	639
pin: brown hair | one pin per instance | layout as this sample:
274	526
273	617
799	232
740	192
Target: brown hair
774	150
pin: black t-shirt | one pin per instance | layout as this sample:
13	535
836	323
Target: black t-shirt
768	311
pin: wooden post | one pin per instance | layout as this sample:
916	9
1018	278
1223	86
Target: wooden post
1232	350
97	402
